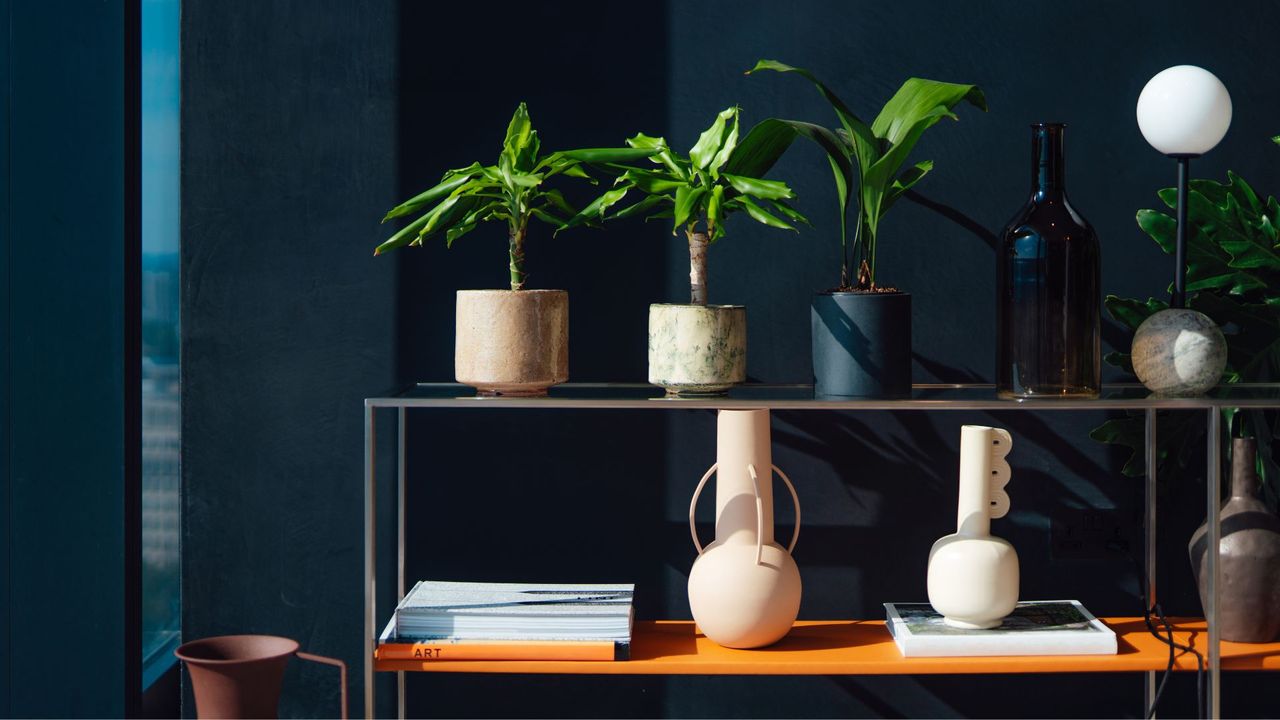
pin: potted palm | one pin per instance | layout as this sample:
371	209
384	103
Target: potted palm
862	327
516	341
699	348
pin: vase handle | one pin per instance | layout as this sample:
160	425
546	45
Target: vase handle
693	504
795	500
342	670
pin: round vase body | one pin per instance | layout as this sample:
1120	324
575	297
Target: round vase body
973	581
740	604
1248	556
1179	352
861	344
512	342
697	349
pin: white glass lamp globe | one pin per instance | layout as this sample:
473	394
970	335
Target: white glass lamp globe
1184	110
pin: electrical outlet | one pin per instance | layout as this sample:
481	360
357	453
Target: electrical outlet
1090	534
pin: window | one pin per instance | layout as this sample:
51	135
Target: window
161	396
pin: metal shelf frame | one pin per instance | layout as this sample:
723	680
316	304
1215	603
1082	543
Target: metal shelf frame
924	397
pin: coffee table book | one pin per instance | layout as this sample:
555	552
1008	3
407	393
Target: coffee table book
391	647
1045	627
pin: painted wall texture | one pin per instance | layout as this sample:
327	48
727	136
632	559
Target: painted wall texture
304	122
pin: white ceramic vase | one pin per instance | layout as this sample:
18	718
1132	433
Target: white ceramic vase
973	576
744	588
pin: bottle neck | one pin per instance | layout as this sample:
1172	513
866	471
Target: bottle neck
1047	166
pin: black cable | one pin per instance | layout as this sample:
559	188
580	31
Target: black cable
1167	639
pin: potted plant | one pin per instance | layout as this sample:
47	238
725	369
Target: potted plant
508	342
699	348
862	328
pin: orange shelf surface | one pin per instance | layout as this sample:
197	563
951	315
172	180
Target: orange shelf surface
857	647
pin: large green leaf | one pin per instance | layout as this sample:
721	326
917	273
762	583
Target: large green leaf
687	199
451	181
726	149
519	132
594	211
759	214
1132	313
919	100
712	139
763	189
609	155
403	236
640	208
652	182
662	153
905	182
867	145
715	219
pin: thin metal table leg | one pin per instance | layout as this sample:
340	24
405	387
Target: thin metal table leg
1149	548
400	525
370	548
1213	483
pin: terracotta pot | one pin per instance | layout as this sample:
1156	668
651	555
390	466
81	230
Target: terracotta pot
512	342
239	676
1248	556
697	349
744	588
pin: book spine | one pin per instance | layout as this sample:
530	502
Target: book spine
504	650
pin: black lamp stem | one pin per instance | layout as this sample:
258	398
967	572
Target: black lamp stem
1179	298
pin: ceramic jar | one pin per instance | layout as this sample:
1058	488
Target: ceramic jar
744	588
697	349
512	342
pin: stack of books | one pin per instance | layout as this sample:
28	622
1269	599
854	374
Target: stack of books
510	621
1051	627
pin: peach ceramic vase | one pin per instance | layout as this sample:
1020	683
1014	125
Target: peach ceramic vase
744	588
973	576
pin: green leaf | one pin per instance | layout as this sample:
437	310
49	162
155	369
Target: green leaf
609	155
554	199
763	189
730	142
715	221
519	132
549	218
788	212
922	101
905	182
662	154
760	215
403	236
687	200
865	141
652	182
448	213
451	181
1132	313
594	211
711	140
1129	432
648	203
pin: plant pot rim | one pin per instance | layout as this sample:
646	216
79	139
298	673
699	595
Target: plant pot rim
183	651
508	291
861	293
695	305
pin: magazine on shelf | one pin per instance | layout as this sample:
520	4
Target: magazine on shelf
1043	627
437	610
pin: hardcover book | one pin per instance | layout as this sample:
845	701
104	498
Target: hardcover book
1046	627
391	647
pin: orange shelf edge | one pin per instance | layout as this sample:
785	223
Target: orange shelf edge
857	647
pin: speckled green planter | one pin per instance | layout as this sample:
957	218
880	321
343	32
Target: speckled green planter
697	349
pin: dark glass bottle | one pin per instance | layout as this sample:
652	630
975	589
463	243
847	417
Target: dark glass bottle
1048	288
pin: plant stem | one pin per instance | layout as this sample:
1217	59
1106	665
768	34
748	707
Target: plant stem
515	251
697	266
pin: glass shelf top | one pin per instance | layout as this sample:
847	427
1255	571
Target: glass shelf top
801	397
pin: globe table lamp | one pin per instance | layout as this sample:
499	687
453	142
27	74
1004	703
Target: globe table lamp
1183	112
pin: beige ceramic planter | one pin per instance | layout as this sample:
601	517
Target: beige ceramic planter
512	342
697	349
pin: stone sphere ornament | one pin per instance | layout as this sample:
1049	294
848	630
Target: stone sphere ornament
1184	110
1179	352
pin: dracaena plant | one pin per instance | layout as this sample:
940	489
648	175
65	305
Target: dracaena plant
877	153
1233	269
719	177
514	190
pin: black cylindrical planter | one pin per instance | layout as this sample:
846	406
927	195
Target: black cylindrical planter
862	344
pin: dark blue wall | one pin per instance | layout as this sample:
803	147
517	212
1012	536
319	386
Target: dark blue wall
300	127
67	424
